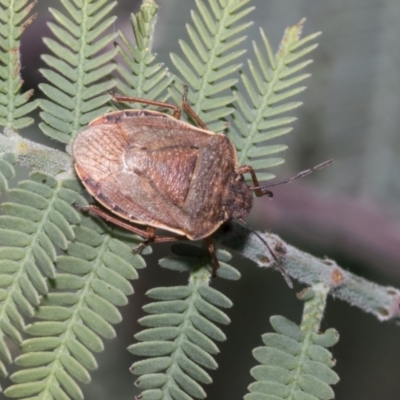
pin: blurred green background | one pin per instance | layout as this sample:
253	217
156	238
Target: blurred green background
349	212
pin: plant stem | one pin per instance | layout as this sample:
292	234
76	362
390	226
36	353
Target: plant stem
381	301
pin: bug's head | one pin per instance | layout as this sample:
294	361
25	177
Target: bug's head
240	199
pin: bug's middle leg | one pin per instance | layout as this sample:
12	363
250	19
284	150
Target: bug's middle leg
211	250
152	238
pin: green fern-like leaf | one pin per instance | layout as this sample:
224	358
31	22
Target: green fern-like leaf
36	220
179	343
212	58
295	362
79	78
14	106
187	257
6	172
91	284
271	82
91	280
144	77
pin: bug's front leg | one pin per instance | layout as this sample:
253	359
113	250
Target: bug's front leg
259	192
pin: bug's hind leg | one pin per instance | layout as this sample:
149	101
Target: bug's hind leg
127	99
189	110
176	110
110	218
147	234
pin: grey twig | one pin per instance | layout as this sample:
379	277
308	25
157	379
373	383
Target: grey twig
381	301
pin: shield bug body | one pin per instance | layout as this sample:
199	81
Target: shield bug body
149	168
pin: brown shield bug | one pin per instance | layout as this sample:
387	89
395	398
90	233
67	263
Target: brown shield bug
150	168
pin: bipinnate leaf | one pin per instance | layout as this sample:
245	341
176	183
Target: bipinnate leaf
6	172
72	321
294	361
211	58
80	63
187	257
92	279
179	342
71	272
36	220
15	17
139	73
270	83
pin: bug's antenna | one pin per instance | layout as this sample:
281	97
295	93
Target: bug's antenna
301	174
278	262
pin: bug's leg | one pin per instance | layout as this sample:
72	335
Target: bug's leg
211	249
126	99
164	239
189	110
152	238
110	218
258	191
150	235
